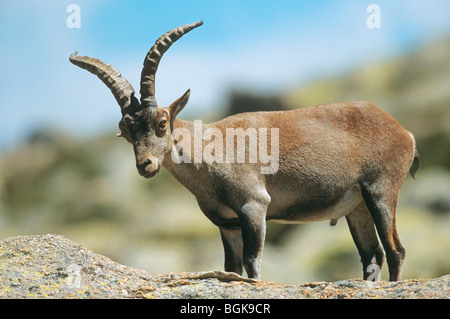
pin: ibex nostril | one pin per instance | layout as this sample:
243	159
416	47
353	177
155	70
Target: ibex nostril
147	162
143	165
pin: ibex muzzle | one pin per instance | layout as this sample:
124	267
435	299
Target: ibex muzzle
336	160
147	166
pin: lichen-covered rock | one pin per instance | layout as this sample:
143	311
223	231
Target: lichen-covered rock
50	266
54	267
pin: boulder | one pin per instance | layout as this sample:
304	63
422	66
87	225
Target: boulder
52	266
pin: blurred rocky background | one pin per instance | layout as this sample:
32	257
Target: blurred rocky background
89	191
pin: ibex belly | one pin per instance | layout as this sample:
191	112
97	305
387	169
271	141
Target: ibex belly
314	212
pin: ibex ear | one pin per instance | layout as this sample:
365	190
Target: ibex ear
178	105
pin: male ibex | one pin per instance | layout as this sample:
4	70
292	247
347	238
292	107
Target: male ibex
341	159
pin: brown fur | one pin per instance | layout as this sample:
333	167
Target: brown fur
325	151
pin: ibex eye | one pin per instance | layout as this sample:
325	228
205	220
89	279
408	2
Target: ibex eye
162	124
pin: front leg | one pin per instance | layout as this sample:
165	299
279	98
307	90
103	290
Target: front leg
252	218
232	244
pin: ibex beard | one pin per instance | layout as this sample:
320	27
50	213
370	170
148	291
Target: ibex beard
325	162
236	145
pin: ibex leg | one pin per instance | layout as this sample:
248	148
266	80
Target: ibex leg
232	244
252	219
362	228
381	199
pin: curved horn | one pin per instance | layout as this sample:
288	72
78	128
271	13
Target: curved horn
152	59
119	86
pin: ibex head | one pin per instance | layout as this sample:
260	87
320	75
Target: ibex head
145	124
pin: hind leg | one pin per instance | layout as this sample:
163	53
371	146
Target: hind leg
363	233
381	200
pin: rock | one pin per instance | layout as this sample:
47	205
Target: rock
54	267
51	266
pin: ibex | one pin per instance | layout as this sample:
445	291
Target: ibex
334	160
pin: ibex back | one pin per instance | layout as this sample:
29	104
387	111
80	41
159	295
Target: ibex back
342	159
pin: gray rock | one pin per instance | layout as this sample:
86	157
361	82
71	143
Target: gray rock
51	266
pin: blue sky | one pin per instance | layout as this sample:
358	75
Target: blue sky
266	45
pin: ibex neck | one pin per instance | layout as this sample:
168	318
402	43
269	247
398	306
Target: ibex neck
182	170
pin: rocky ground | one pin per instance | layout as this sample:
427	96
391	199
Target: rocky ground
51	266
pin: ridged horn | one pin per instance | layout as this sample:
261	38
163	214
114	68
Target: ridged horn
152	59
119	86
